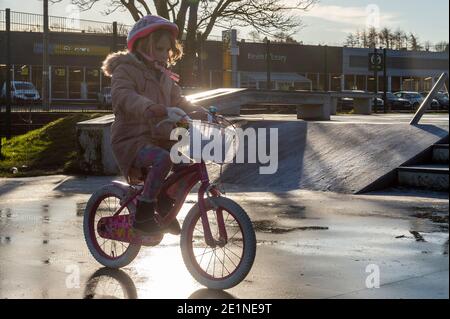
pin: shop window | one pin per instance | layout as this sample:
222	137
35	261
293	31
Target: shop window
59	82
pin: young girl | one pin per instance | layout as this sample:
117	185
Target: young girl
142	89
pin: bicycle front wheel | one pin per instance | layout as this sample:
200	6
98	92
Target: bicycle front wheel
223	266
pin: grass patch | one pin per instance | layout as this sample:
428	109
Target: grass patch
51	149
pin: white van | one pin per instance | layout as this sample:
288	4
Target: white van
21	92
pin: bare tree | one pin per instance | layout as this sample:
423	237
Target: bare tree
365	39
441	46
399	39
372	38
255	36
197	18
414	44
284	38
385	36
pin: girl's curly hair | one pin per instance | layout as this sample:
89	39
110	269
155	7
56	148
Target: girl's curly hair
176	52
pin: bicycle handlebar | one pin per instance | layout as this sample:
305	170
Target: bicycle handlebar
176	115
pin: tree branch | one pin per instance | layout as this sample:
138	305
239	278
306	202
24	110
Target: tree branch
144	4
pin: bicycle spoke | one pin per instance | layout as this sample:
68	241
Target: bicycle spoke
208	265
224	255
204	252
235	266
235	234
214	267
201	255
112	248
232	252
223	264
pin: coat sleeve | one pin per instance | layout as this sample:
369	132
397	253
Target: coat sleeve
125	97
179	100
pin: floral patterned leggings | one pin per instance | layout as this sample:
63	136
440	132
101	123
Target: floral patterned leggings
159	160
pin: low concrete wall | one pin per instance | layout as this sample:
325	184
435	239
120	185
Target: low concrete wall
94	145
94	135
314	112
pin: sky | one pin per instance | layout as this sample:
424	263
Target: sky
328	22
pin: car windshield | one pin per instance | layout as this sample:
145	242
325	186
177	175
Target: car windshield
24	86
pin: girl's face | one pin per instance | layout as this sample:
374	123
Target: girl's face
161	50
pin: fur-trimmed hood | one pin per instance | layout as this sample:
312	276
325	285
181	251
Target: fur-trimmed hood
115	59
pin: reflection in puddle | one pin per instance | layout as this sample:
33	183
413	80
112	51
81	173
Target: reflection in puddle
5	239
45	208
80	208
107	283
206	293
5	212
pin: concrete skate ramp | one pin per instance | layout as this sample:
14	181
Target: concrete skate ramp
338	157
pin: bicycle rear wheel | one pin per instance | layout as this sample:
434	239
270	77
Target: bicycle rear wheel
110	253
223	266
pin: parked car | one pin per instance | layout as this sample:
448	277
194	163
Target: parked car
440	100
415	98
104	96
396	103
380	102
21	92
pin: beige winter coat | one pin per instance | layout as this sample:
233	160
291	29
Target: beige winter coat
135	89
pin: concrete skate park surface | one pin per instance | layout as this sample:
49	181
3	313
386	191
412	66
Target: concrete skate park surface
343	155
309	245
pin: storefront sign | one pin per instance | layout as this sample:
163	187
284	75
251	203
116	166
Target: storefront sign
73	49
24	71
60	72
262	56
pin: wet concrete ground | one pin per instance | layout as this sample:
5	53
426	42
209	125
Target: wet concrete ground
310	245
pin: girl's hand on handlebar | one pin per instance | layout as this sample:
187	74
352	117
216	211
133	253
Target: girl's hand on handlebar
158	110
174	115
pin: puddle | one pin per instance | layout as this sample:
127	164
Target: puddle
80	208
268	226
5	212
5	239
266	242
293	211
435	217
417	235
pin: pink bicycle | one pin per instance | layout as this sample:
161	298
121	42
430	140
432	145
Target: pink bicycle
218	242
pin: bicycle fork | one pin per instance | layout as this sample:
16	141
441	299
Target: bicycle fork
206	187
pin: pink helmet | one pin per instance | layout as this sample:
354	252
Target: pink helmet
147	25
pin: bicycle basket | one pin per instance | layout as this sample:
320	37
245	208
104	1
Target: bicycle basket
209	142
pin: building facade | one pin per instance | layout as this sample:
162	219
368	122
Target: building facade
75	65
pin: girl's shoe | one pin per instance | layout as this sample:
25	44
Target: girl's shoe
144	220
165	204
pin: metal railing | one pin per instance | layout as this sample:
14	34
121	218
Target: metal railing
429	98
31	22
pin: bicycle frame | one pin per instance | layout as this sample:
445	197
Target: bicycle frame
179	185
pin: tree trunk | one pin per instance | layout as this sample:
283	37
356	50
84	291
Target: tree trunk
189	60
